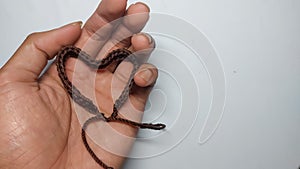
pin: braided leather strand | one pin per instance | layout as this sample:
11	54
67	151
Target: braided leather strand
118	56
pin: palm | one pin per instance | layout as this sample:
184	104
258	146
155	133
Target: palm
39	133
39	127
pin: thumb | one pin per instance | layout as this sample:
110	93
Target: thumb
30	59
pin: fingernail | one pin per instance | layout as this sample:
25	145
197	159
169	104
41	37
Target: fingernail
77	23
141	3
147	36
146	75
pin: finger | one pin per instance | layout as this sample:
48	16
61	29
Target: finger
146	76
32	56
136	18
107	11
142	44
144	80
134	21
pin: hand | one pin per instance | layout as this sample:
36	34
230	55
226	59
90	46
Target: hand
38	126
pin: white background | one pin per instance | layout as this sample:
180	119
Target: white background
258	42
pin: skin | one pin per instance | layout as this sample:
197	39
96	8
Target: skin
39	127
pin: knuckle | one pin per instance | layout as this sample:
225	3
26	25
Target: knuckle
97	32
31	40
110	11
136	22
32	36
